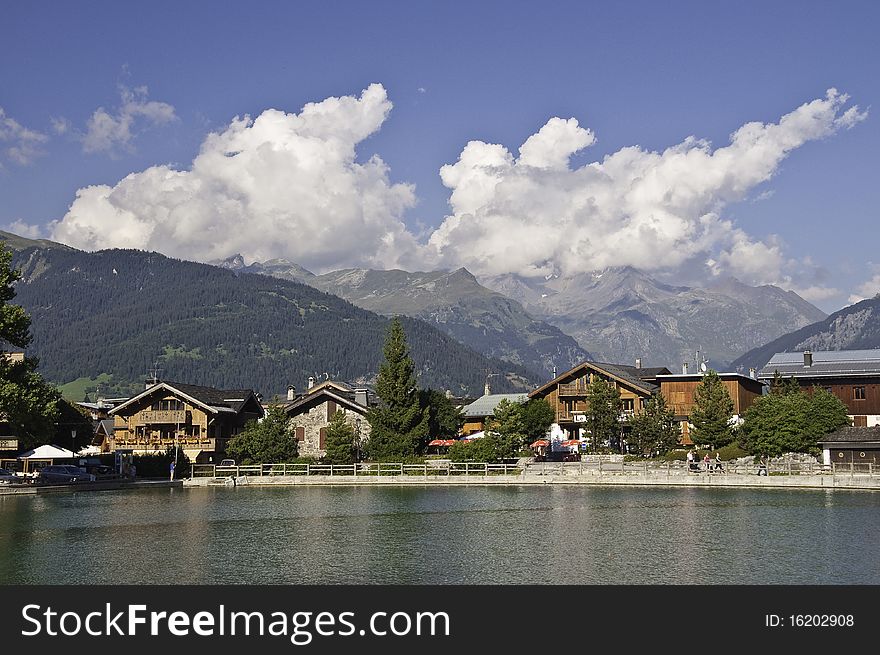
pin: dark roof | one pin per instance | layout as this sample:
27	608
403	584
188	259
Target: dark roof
637	377
234	399
853	435
224	400
631	374
347	398
826	363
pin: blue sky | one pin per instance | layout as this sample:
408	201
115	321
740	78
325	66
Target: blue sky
634	74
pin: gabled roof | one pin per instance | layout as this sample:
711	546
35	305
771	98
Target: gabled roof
825	363
629	375
214	401
485	405
323	392
853	435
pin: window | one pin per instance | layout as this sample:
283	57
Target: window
858	393
628	405
300	434
323	438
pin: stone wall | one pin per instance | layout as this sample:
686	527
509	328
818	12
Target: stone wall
315	419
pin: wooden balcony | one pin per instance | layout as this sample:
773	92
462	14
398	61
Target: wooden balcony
572	389
163	416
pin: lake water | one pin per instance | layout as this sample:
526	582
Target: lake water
437	535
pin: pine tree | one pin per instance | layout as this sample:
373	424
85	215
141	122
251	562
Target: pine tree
712	411
339	445
399	424
655	430
537	417
506	426
603	413
27	403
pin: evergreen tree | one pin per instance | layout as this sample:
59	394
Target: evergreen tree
399	424
27	403
827	412
603	413
537	417
444	418
339	446
507	429
655	430
269	441
712	411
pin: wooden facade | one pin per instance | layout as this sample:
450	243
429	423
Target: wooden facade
567	393
200	420
679	391
860	395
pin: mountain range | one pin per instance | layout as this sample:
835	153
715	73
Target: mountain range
113	314
454	302
620	314
856	327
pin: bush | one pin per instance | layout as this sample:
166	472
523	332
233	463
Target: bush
159	465
729	452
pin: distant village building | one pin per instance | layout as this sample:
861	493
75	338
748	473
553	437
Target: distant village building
200	420
851	375
477	414
310	414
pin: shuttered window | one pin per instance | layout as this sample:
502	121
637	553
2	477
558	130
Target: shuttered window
300	434
331	410
323	438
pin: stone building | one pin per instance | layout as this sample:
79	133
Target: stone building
310	414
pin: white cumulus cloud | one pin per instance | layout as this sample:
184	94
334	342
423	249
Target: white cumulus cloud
108	130
280	185
536	215
867	289
20	144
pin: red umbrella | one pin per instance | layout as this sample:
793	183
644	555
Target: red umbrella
539	443
447	442
571	442
437	442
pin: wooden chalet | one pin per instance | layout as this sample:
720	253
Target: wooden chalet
200	420
679	392
567	393
851	375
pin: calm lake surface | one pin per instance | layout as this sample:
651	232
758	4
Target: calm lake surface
435	535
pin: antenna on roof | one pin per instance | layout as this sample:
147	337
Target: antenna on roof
154	374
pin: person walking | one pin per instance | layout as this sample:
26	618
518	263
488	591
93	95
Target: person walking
707	462
690	460
718	463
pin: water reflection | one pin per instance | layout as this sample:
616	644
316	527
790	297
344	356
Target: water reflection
365	535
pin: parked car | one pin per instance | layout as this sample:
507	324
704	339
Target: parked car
8	477
227	462
64	473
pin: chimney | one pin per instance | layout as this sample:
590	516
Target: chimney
360	397
486	388
311	381
808	358
684	368
638	362
554	372
753	373
291	392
